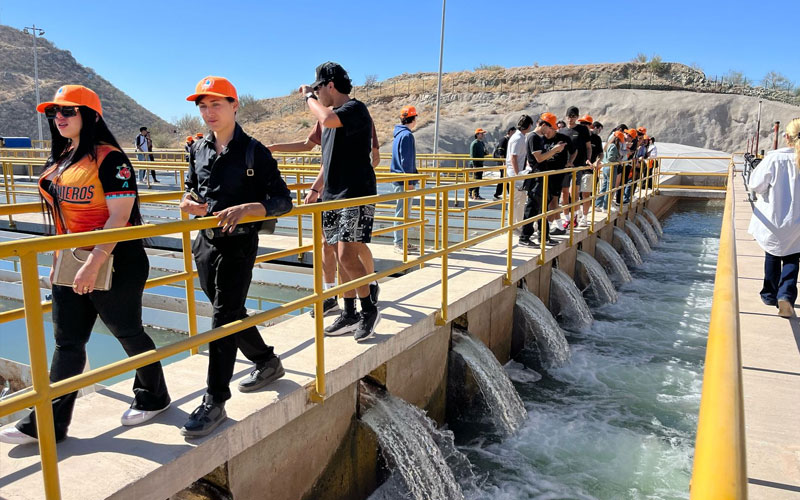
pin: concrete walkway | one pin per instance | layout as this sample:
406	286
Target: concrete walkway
771	369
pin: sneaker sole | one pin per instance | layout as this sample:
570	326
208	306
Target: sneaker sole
195	434
150	417
785	309
342	331
19	440
329	312
372	332
264	382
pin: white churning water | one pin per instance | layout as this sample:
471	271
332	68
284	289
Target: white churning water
654	221
567	301
408	440
540	330
612	262
508	412
618	420
601	287
629	251
638	238
647	229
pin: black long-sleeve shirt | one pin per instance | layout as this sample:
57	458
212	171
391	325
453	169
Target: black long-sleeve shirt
224	180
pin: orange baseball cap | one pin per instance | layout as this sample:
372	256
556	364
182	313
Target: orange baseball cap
550	118
631	132
408	112
646	138
480	131
199	135
586	119
73	95
619	135
190	139
214	85
642	130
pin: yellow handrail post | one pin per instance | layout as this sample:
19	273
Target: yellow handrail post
318	394
436	241
442	320
406	202
545	224
299	217
573	195
622	190
507	277
191	307
5	165
593	198
41	383
424	222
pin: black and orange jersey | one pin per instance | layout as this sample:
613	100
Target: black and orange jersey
82	188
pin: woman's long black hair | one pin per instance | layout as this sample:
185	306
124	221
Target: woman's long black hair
94	132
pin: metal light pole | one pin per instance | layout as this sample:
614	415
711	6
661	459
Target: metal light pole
33	30
758	125
439	90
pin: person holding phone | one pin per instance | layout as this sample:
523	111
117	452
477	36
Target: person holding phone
223	183
87	184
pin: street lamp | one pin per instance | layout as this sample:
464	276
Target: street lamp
439	89
33	30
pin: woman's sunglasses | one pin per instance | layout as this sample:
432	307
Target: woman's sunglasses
66	111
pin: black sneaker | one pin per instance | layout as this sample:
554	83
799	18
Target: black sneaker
366	325
345	323
374	290
329	306
262	375
205	418
557	230
526	242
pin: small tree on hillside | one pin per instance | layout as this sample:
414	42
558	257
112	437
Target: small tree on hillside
777	81
656	65
488	67
370	80
736	78
640	58
251	109
188	125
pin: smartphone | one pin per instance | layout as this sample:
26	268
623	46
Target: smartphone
195	196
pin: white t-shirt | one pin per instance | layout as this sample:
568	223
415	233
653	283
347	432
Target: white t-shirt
141	143
775	223
516	147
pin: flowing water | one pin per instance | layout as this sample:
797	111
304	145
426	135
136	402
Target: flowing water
612	262
540	330
627	248
638	238
508	412
422	458
567	302
654	221
602	289
618	420
647	229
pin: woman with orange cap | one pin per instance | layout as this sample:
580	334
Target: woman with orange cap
87	184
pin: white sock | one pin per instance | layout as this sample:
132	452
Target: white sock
374	282
328	286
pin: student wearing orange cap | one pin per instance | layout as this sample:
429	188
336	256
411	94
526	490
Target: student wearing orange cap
633	169
556	150
581	140
404	161
477	149
188	146
231	176
87	184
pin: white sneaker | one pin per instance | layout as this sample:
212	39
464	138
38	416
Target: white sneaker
133	416
582	222
12	435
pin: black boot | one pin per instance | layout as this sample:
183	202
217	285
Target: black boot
205	418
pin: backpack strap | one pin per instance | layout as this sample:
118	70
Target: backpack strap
249	155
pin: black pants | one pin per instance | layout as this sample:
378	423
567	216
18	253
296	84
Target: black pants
533	207
498	192
473	192
225	269
120	308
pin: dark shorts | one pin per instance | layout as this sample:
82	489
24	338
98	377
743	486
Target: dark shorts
556	182
348	225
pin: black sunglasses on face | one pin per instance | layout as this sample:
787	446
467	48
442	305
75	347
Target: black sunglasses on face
316	89
66	111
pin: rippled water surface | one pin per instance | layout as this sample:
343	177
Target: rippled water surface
618	420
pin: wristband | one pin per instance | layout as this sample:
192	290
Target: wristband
315	190
108	254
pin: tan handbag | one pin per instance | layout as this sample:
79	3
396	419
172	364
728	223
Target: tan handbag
70	261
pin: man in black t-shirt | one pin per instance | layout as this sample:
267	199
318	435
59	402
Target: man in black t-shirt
581	140
346	173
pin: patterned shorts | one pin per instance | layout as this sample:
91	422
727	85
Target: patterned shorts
348	225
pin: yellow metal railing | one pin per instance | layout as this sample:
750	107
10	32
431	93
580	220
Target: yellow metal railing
720	463
27	251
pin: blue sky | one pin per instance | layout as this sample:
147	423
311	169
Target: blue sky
157	50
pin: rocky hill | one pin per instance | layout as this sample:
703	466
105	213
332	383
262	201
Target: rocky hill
675	102
57	67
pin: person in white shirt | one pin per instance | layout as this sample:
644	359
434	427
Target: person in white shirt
775	223
515	165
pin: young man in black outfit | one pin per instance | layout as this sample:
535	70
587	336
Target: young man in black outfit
581	141
222	182
546	150
500	152
346	173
